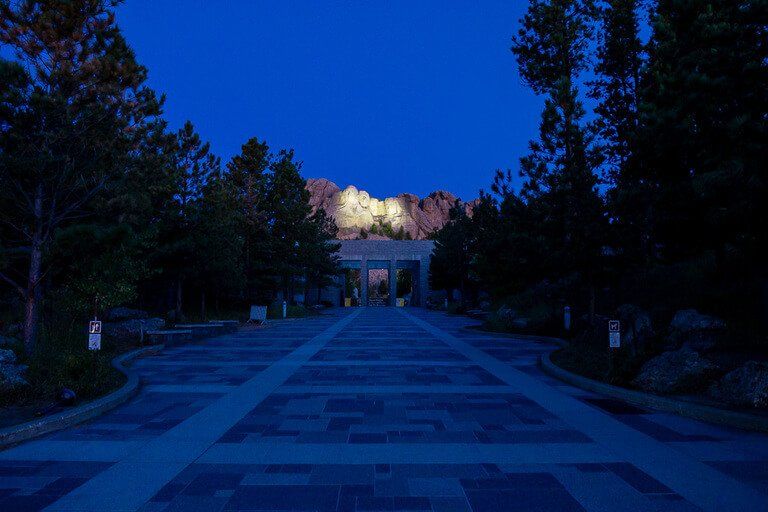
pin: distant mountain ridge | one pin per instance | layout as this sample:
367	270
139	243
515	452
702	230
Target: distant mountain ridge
355	210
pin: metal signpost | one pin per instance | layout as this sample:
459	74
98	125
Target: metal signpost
94	335
614	341
614	333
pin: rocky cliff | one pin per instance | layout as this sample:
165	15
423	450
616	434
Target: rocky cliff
354	209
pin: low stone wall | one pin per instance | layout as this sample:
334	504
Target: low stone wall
37	427
691	410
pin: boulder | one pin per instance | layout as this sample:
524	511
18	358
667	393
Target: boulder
693	330
14	330
521	322
6	341
131	330
745	386
636	329
11	374
7	356
677	371
506	314
121	313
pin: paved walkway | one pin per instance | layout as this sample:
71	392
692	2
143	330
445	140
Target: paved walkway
378	409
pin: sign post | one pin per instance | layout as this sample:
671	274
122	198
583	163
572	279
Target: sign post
614	333
614	341
94	335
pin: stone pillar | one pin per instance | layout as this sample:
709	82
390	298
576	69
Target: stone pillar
393	282
364	282
423	281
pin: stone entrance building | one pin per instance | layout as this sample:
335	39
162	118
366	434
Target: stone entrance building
374	269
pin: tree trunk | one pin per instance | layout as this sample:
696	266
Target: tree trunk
31	302
591	304
32	294
202	306
179	294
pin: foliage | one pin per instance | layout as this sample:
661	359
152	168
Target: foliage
453	252
101	204
560	184
383	228
679	134
73	107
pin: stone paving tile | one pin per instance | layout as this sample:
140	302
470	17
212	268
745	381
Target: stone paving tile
394	375
406	354
203	357
153	373
143	417
383	389
386	343
413	487
33	485
401	418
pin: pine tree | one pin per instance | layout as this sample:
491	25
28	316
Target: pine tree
451	264
192	167
617	82
560	184
704	122
247	176
218	269
78	106
616	89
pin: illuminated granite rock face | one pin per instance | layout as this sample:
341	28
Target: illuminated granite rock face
355	209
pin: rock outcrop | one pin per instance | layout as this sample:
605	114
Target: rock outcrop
693	330
745	386
130	331
354	209
675	372
11	373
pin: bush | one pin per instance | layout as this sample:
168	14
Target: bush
62	360
275	311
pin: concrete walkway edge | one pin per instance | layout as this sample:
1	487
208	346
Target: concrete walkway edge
47	424
700	484
691	410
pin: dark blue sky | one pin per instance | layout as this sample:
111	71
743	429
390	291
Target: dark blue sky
407	96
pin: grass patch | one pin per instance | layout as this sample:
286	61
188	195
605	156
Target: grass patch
64	361
275	311
591	361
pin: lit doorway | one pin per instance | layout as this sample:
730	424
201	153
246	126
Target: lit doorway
378	287
352	289
404	287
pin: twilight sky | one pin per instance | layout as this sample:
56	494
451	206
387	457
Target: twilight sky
391	96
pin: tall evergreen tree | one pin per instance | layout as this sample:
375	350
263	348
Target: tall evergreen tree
319	250
288	206
77	107
451	264
617	82
616	88
192	167
218	271
560	184
704	122
247	176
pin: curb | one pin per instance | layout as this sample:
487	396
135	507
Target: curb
47	424
530	337
700	412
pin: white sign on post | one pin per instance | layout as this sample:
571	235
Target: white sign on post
614	333
94	335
